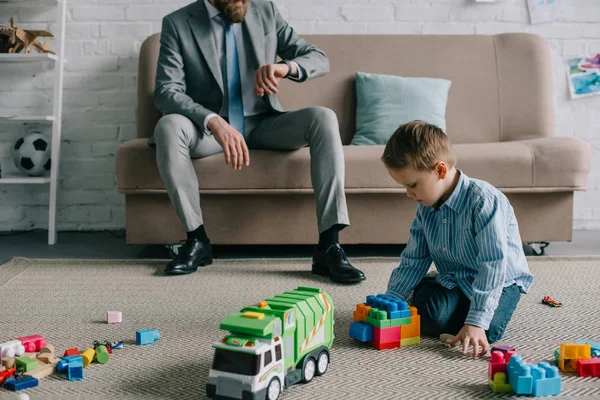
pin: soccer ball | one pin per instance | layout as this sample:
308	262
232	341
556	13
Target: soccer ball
31	154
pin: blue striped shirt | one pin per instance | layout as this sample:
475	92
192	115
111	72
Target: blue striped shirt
474	241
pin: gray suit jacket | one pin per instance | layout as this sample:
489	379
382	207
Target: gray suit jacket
188	76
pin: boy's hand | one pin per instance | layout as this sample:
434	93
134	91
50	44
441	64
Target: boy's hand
474	335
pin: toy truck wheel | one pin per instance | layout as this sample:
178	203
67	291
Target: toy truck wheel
308	372
322	363
274	389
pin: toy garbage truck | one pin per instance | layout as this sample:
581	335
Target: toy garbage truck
271	346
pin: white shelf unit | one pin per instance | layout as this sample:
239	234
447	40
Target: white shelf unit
56	118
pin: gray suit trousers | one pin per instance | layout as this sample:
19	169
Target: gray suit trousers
178	141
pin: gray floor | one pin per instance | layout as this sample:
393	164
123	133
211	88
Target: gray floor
111	245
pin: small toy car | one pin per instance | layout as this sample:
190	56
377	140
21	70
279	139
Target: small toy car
552	303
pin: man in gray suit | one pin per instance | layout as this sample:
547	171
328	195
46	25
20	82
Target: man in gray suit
216	84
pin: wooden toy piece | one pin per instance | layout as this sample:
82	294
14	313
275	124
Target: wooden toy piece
48	358
43	370
22	39
8	362
72	352
114	317
48	348
30	355
88	356
2	368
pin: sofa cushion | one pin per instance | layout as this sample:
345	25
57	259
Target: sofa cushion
384	102
550	164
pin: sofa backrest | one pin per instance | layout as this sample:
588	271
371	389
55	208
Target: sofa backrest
501	85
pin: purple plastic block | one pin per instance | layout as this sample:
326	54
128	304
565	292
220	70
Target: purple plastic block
503	349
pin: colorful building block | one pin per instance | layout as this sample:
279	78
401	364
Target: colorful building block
496	363
546	381
361	331
7	374
12	349
589	367
410	341
43	370
88	356
74	367
499	383
32	343
400	321
102	354
114	317
502	349
519	375
26	364
146	336
378	318
570	353
361	312
20	384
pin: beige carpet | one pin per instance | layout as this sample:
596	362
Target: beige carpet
66	301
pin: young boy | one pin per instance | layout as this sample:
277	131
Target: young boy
468	229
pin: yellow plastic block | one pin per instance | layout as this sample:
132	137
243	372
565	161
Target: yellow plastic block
88	356
499	384
252	314
570	353
409	341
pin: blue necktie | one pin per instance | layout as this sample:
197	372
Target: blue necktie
234	82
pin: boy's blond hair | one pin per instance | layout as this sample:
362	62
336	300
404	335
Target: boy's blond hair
418	145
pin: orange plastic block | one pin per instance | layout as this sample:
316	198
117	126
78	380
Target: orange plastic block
362	312
570	353
413	329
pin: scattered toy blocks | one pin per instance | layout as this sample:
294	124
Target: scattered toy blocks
114	317
43	370
521	376
146	336
546	381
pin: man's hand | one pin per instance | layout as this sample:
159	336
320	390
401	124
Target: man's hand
268	76
232	142
474	335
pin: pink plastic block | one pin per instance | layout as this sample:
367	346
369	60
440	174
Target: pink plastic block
114	317
389	335
32	343
589	367
497	363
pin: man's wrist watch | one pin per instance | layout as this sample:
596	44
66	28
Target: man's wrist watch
289	65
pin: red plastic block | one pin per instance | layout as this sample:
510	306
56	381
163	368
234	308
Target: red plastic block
72	352
8	373
589	367
32	343
385	346
386	335
497	363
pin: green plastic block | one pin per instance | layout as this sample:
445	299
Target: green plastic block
409	341
556	356
499	384
102	355
26	364
378	323
400	321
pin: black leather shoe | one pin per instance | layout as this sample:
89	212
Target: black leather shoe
192	254
333	263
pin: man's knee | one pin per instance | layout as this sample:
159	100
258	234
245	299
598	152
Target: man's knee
172	127
325	121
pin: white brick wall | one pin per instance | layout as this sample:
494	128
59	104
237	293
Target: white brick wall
103	40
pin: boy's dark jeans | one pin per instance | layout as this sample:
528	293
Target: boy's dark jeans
445	310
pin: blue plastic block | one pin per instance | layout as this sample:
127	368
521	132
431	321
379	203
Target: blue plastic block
22	383
519	375
361	331
61	366
146	336
75	372
8	380
394	307
546	380
399	314
74	367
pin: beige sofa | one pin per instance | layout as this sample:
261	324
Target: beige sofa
500	117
